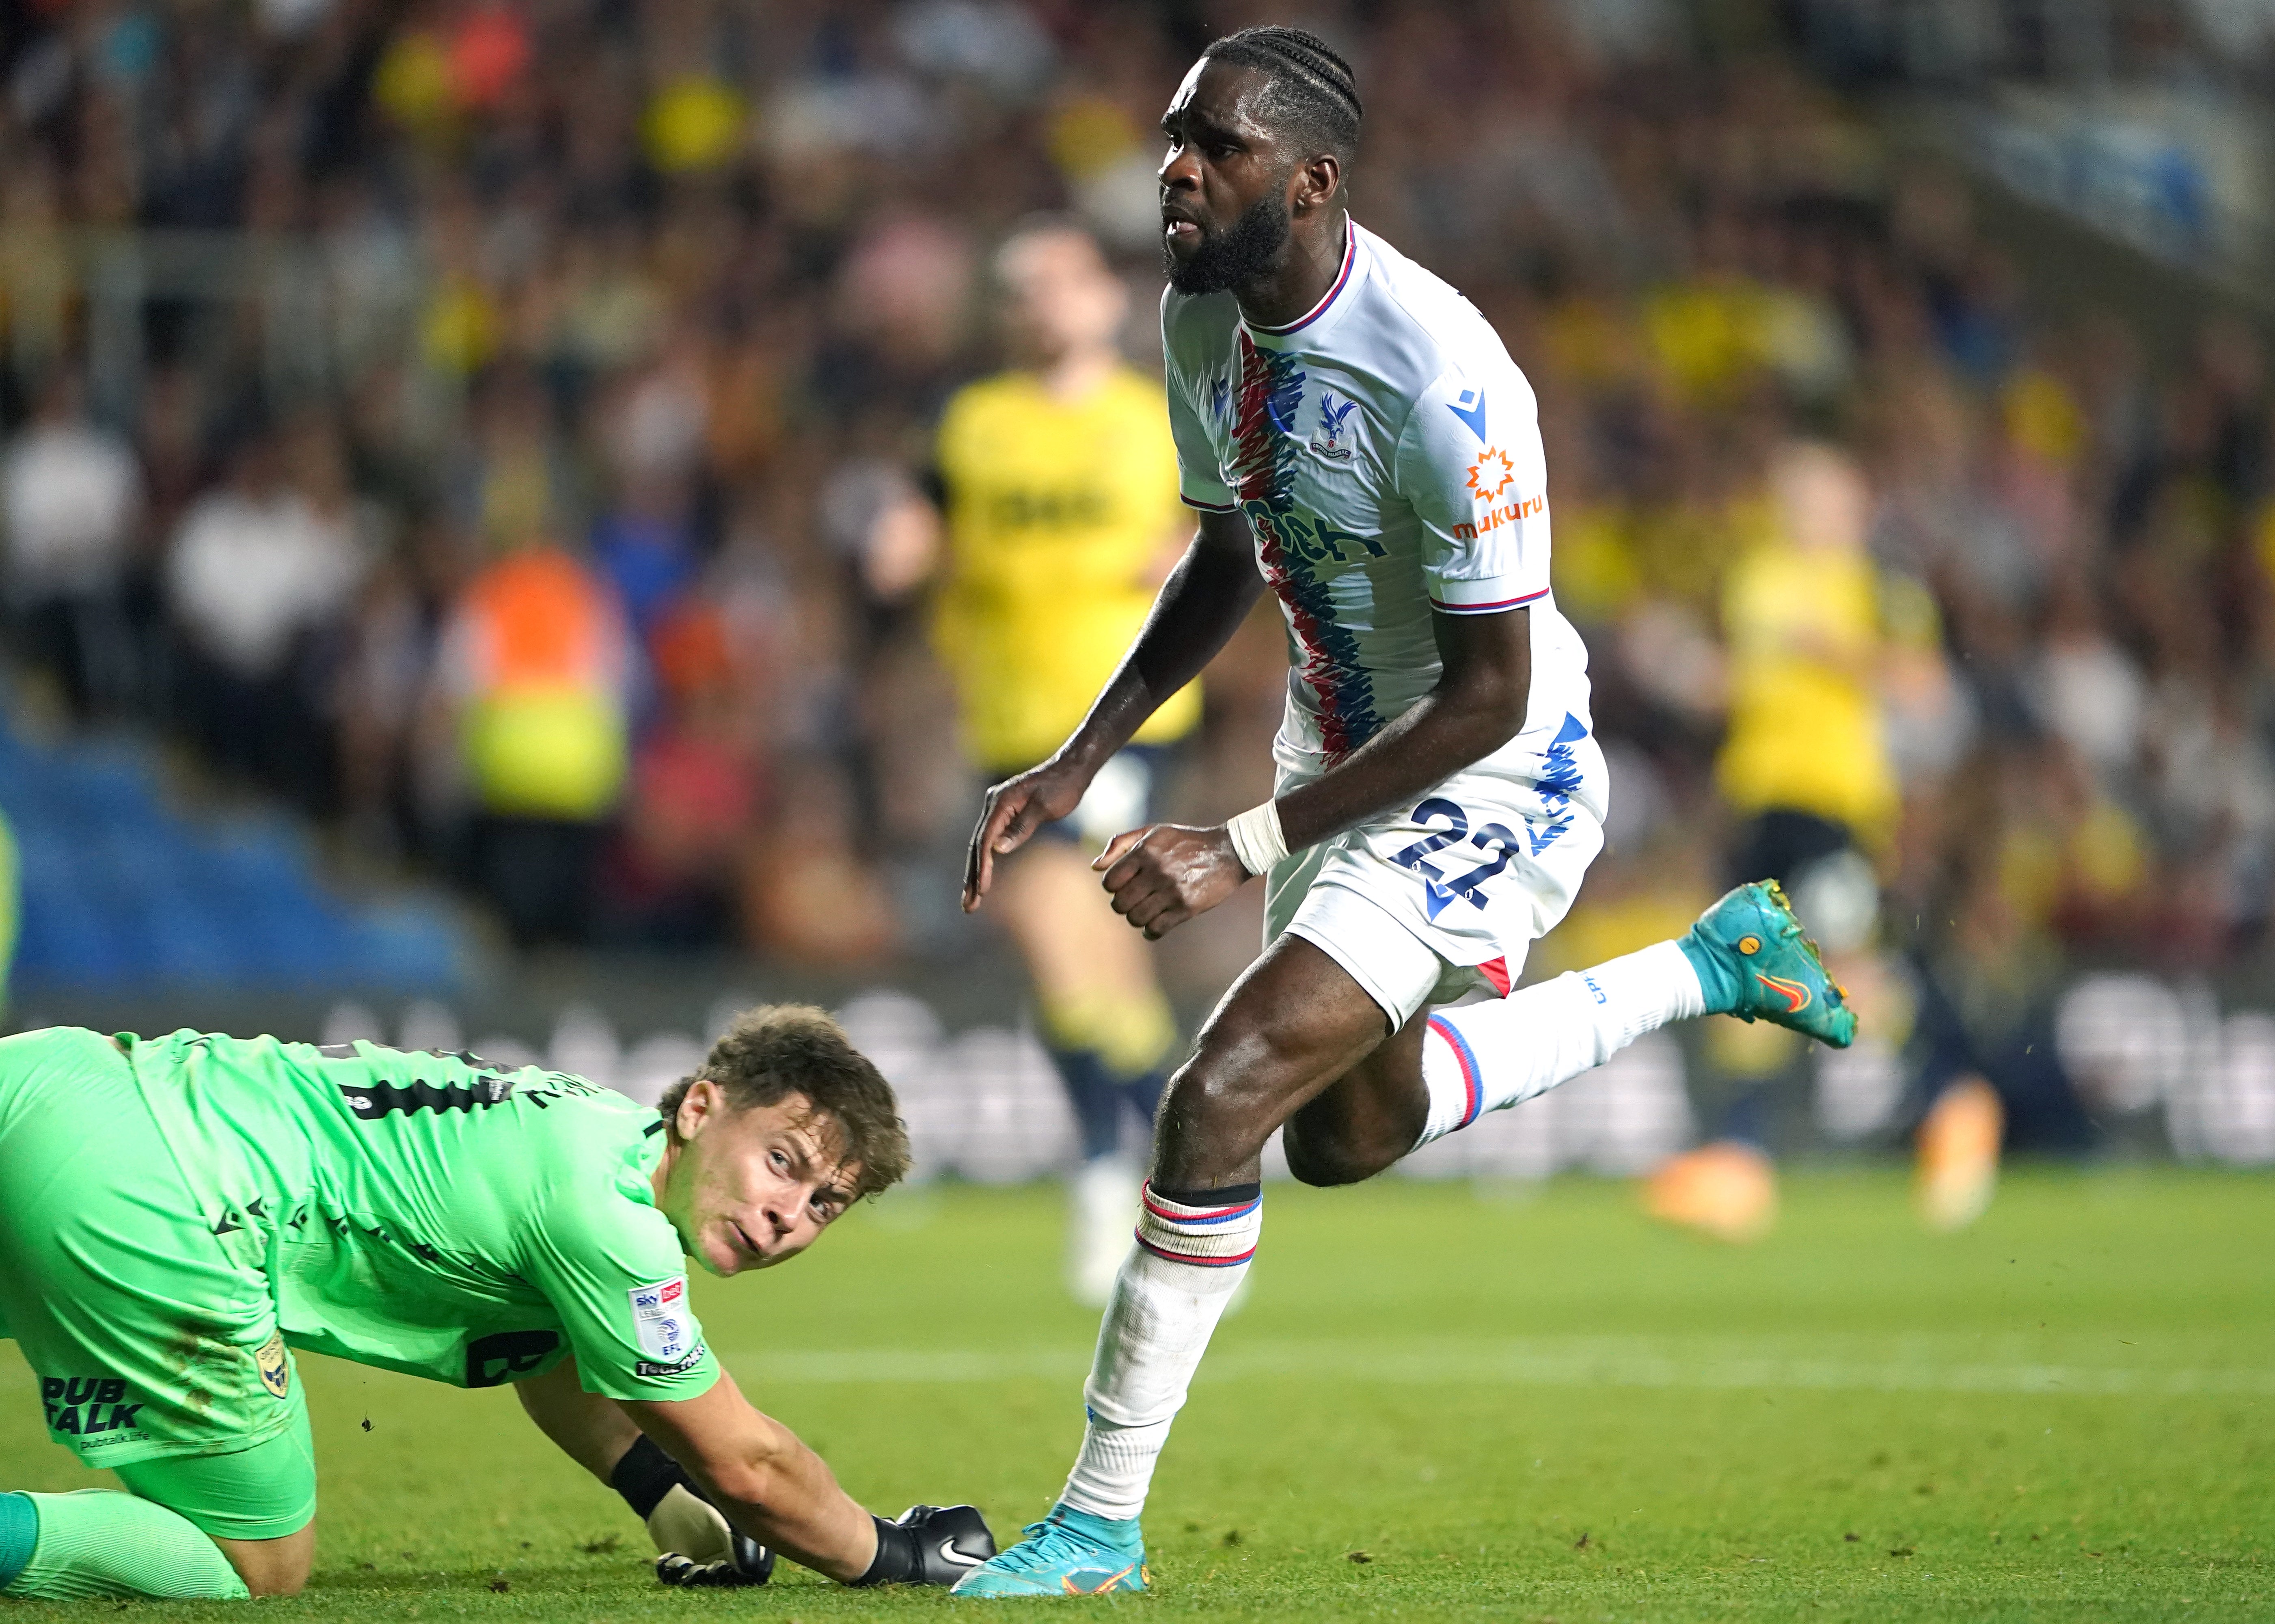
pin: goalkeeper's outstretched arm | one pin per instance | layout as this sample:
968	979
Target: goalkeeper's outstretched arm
682	1463
768	1483
593	1431
776	1490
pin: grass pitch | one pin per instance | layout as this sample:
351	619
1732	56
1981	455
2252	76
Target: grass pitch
1441	1403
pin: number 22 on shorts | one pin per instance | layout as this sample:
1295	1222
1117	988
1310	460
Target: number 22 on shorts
1439	892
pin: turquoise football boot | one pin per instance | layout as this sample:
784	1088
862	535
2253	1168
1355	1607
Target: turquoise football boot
1754	962
1069	1552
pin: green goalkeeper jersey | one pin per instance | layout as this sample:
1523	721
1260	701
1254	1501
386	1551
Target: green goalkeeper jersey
433	1213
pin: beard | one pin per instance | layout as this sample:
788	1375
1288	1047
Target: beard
1241	253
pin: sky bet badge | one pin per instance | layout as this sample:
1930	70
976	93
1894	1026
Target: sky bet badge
661	1319
275	1365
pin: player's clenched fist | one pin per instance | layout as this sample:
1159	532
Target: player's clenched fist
1163	874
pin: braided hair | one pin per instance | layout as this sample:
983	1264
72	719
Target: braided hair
1311	92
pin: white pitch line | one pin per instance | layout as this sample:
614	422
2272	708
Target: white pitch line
1595	1362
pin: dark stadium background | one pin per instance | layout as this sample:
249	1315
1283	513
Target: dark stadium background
676	288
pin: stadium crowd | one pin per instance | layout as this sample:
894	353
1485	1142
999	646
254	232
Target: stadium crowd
584	553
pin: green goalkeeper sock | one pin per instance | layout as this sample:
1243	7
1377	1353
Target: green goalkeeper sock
20	1531
99	1542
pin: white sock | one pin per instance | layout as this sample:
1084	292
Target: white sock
1172	1290
1487	1057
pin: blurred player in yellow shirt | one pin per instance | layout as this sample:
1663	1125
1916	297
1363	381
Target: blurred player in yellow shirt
1060	485
1806	757
1806	764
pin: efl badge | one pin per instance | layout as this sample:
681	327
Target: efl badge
660	1320
275	1365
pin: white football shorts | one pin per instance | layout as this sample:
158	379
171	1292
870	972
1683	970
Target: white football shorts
1439	904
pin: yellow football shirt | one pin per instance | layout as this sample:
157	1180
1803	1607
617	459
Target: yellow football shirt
1057	513
1805	730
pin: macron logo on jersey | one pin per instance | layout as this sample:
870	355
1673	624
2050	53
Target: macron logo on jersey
661	1322
1470	408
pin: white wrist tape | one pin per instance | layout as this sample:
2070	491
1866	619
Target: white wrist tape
1256	839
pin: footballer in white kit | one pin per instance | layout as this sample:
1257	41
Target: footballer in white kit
1385	453
1355	438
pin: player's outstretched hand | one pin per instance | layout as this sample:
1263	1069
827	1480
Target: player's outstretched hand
925	1544
752	1563
930	1544
1014	810
697	1545
684	1522
1165	873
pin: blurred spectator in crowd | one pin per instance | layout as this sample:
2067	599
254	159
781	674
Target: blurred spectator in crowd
810	889
697	783
534	679
1060	484
71	496
386	653
806	892
258	575
646	543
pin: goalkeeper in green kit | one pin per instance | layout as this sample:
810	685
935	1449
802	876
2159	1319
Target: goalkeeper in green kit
177	1214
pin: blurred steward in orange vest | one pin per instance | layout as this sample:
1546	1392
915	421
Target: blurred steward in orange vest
536	666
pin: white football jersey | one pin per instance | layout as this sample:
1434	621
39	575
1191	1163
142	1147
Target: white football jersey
1387	453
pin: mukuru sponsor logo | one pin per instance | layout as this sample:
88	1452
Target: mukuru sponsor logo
1493	518
1490	474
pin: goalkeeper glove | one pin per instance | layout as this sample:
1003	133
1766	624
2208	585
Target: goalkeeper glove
929	1544
696	1544
925	1544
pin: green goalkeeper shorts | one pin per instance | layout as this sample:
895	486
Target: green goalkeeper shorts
158	1351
